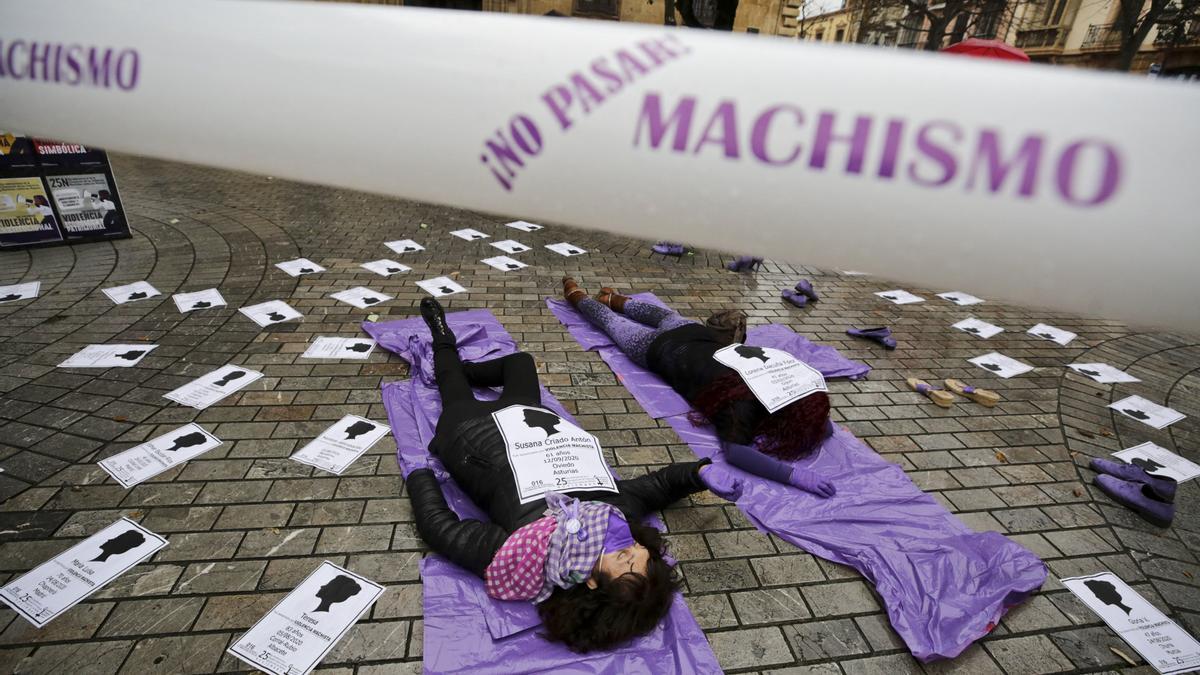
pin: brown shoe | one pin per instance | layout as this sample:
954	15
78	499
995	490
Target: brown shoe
729	325
572	292
612	300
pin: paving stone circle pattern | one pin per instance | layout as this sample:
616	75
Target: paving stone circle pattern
246	524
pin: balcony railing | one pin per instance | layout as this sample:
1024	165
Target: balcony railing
1101	36
1173	35
1039	37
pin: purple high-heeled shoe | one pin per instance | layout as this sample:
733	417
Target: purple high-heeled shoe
1139	498
1163	487
743	263
669	248
794	297
880	334
805	288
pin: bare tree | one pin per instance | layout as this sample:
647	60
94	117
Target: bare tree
1178	25
1134	20
934	20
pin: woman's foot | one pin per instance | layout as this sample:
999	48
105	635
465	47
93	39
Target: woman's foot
435	318
612	299
572	292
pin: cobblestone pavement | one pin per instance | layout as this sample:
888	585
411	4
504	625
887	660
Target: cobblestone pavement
245	523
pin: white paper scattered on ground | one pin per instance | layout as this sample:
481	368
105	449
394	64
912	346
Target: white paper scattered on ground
404	246
58	584
1143	410
1052	334
959	298
306	624
510	246
361	297
1162	642
17	292
978	328
339	348
504	263
469	234
524	226
273	311
338	446
145	461
1159	461
208	389
1001	365
206	299
138	290
563	248
900	297
108	356
440	286
547	452
1102	373
855	273
774	376
299	266
386	267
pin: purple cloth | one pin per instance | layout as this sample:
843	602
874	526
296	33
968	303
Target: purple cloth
465	630
943	585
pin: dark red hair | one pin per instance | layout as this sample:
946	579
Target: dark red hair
789	433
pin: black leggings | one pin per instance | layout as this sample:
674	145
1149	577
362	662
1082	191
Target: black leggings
516	373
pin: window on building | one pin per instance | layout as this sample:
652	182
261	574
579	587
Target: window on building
840	35
751	29
598	9
1054	12
820	36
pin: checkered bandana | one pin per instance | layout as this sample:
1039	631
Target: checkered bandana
518	571
577	541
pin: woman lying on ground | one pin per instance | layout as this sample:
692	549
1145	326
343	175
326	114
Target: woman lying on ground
597	574
680	351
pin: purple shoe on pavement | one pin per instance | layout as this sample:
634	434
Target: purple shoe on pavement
1139	498
669	248
805	288
881	334
794	297
1163	487
743	263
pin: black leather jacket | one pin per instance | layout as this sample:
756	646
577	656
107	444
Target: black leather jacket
473	452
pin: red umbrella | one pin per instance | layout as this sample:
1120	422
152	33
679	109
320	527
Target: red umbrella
987	49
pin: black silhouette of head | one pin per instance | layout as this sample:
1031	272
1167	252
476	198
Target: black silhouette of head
748	352
336	590
131	355
476	236
305	270
446	289
11	296
541	419
1093	373
1107	593
358	429
275	316
513	266
122	543
1146	464
889	297
137	296
1045	336
393	270
370	300
972	329
229	377
1135	414
202	305
573	251
409	248
991	366
359	347
186	441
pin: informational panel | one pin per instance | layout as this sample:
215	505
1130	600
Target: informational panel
54	192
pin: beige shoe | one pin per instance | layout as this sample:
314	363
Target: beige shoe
984	397
941	397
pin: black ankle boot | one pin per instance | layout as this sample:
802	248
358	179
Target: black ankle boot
435	318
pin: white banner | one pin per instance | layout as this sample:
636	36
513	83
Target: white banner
1040	185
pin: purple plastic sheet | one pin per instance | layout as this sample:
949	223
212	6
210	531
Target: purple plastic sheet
465	630
943	585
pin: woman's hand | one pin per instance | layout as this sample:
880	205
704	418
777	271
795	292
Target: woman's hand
718	479
812	482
